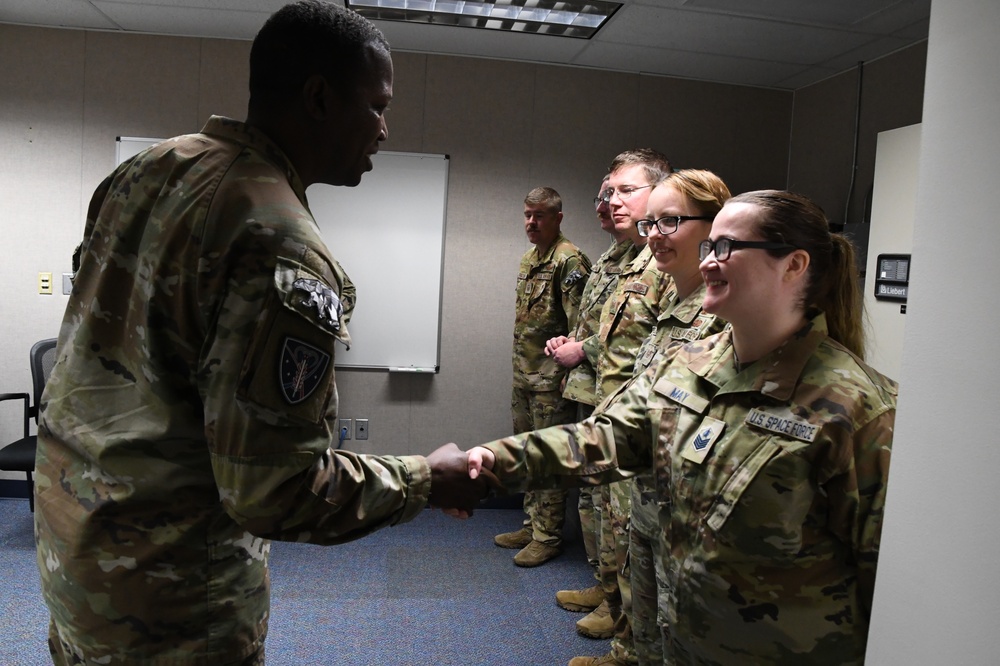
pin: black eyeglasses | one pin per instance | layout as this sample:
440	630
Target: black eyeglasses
667	225
623	191
603	198
723	247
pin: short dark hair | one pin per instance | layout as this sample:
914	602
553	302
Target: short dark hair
544	196
655	164
306	38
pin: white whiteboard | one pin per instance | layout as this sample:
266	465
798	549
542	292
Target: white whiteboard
388	234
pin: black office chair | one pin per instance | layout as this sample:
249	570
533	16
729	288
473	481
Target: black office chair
19	456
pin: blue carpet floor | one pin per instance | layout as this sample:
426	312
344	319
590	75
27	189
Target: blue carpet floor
433	591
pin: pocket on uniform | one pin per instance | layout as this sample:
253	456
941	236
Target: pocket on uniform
288	369
761	510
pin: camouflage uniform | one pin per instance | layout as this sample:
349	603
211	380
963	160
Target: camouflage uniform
771	482
581	381
191	410
683	322
549	288
628	318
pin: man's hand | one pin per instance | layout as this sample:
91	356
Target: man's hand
453	488
552	344
570	354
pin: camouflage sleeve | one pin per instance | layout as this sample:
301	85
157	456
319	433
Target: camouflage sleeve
267	382
348	293
607	447
857	499
592	348
573	279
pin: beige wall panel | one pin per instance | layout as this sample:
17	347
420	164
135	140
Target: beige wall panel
582	119
222	80
739	133
822	149
41	128
823	142
406	112
136	85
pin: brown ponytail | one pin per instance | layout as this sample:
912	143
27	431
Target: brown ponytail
832	284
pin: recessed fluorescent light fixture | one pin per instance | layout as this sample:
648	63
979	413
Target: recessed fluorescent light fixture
570	18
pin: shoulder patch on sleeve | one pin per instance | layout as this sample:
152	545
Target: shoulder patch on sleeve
572	278
302	367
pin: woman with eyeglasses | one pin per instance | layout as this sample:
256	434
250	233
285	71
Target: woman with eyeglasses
679	217
769	442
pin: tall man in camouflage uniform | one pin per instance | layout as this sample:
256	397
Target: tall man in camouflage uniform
580	360
550	283
628	317
190	415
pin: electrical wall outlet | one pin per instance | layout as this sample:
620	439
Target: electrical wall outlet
45	283
67	283
360	428
345	429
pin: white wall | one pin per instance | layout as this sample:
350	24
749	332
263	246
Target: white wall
937	590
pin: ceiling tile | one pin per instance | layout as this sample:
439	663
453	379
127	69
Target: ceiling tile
188	21
57	13
728	35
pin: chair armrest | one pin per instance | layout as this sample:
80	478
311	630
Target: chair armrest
27	403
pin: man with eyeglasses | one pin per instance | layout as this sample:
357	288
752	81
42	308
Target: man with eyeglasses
549	287
627	318
581	388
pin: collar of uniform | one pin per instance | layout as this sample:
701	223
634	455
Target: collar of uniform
775	374
686	310
547	257
643	258
619	250
245	135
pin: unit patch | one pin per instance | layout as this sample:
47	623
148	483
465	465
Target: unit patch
328	306
301	370
800	430
572	278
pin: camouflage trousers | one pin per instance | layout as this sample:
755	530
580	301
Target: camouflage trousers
616	500
648	578
64	655
588	506
532	410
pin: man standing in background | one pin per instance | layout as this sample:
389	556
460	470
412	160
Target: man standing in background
550	284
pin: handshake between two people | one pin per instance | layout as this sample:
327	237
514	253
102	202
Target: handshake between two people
460	480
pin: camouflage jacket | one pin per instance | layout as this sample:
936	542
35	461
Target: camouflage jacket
548	297
772	483
191	410
581	381
683	322
628	317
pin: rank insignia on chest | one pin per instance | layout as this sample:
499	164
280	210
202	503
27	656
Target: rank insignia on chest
697	448
301	370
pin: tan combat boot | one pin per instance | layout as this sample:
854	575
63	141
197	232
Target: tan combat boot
536	553
599	624
606	660
517	539
580	601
